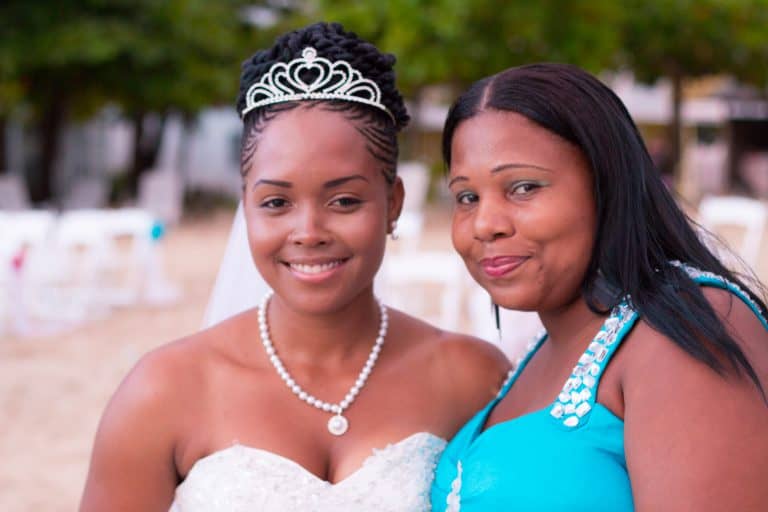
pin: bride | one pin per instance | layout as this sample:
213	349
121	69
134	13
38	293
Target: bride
321	398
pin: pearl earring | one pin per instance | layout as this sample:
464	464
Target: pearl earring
392	227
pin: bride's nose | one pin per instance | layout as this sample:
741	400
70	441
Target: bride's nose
309	229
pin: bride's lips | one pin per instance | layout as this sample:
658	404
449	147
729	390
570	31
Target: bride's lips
501	265
317	270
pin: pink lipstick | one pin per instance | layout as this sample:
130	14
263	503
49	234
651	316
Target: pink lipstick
501	265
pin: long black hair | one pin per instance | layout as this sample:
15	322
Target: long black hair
640	228
333	43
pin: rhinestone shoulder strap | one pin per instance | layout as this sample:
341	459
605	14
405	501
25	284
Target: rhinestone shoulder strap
578	396
710	278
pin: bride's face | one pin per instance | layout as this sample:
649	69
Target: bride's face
318	209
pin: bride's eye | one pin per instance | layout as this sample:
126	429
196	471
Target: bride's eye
274	203
346	202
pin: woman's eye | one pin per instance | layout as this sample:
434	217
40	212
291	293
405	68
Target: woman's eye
346	201
466	198
526	188
274	203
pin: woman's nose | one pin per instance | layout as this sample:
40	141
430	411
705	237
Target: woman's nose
493	220
309	229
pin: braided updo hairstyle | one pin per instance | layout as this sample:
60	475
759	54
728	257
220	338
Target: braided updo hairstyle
333	43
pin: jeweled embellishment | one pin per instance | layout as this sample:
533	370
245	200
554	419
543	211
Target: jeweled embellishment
695	273
331	81
453	500
576	399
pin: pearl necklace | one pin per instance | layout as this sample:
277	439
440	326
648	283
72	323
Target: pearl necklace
338	424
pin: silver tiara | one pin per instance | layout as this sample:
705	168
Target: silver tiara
334	81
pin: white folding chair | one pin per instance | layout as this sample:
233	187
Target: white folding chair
415	176
426	284
750	215
25	236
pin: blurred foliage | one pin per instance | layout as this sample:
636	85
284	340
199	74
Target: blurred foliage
65	58
682	39
142	54
69	58
457	42
697	37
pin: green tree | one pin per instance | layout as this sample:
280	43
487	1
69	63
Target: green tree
150	57
456	42
681	39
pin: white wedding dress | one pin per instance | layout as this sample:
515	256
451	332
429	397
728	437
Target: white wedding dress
396	478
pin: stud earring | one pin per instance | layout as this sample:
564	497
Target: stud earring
392	230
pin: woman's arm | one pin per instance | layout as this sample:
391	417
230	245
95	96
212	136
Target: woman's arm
696	440
132	465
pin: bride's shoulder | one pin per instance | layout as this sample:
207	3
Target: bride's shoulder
181	368
467	362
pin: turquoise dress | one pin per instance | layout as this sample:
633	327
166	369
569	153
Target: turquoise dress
566	456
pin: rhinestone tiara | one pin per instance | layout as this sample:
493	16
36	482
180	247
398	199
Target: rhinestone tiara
334	81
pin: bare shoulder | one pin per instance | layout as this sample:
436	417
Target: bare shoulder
154	393
742	323
133	459
161	373
463	364
702	423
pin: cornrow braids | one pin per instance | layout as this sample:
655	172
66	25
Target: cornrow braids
333	43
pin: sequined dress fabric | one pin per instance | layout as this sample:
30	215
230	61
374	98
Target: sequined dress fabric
396	478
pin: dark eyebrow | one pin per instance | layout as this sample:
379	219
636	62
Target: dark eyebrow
345	179
506	167
500	168
457	178
276	183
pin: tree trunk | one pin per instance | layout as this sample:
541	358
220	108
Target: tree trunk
51	124
4	164
675	128
148	131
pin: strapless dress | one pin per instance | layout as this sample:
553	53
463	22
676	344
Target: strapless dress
396	478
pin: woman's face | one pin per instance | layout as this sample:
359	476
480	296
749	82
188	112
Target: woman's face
318	209
524	215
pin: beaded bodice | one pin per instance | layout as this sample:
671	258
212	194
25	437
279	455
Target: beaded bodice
566	456
396	478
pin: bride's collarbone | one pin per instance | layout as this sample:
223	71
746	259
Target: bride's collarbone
264	415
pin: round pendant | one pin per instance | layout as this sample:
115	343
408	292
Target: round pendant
337	425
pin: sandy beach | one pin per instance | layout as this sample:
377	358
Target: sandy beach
53	389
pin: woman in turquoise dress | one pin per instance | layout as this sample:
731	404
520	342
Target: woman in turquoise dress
647	390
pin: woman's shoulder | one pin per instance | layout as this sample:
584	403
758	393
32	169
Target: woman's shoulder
654	364
680	409
181	367
463	361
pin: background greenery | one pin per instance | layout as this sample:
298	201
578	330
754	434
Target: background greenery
66	59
